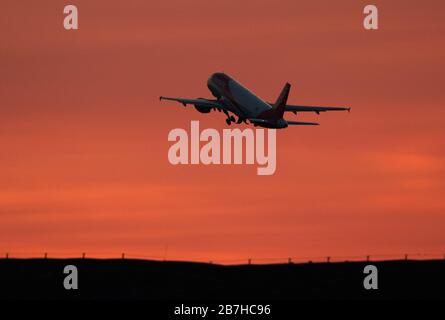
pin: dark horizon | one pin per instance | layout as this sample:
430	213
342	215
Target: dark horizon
162	280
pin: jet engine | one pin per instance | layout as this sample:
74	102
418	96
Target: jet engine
202	109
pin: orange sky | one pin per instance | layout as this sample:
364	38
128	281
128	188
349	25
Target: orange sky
83	136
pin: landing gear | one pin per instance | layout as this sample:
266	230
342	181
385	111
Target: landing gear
230	118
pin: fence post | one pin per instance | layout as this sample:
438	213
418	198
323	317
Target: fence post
83	255
406	257
249	261
123	255
367	258
328	259
7	255
46	255
289	260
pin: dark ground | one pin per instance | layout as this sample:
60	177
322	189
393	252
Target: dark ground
156	280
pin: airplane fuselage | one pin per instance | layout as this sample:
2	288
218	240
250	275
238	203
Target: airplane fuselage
242	101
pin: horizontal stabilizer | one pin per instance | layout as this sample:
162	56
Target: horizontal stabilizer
258	121
316	109
300	123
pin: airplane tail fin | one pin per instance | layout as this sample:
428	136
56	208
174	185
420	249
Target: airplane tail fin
280	104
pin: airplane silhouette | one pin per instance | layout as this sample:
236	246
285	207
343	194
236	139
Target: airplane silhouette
233	97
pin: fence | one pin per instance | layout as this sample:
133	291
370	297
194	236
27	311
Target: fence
251	260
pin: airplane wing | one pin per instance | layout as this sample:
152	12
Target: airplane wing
316	109
295	123
197	102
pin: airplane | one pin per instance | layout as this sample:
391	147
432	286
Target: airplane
233	97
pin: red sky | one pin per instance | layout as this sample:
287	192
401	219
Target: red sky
83	136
